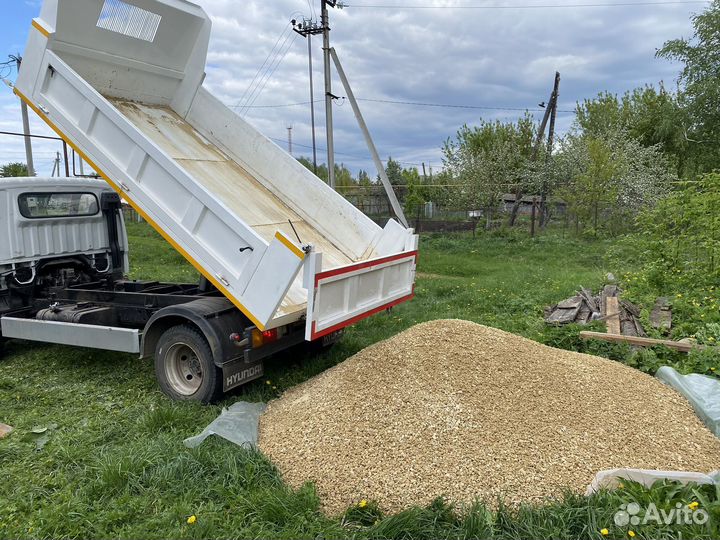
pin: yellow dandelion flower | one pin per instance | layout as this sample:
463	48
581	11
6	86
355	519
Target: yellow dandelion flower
631	534
268	382
192	519
604	532
693	505
362	503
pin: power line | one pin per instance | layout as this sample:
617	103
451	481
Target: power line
31	136
262	70
531	6
283	141
411	103
272	69
450	106
299	103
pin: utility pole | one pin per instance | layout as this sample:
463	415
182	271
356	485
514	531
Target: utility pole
26	127
289	140
56	166
325	22
552	107
308	28
28	141
312	103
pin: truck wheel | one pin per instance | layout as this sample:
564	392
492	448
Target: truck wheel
184	366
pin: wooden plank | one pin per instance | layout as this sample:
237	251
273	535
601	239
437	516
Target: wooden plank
631	308
613	321
608	292
584	314
570	303
563	316
590	300
641	341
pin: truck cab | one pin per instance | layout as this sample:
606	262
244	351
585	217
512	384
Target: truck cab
57	232
63	279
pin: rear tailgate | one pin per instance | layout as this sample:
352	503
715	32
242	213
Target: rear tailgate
345	295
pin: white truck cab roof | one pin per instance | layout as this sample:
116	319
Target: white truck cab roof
53	182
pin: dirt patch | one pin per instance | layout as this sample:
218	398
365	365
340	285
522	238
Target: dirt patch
458	409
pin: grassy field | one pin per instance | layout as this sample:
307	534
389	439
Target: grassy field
108	460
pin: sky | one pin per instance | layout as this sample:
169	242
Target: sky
499	60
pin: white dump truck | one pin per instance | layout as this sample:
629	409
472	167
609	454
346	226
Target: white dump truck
121	82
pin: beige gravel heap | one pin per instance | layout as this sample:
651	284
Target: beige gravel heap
458	409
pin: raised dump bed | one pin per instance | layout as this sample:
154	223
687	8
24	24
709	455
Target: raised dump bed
122	84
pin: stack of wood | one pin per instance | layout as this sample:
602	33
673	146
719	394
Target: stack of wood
620	316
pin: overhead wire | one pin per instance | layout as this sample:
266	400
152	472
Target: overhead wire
364	158
251	100
413	103
282	35
530	6
451	106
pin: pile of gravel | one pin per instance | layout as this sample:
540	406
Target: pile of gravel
454	408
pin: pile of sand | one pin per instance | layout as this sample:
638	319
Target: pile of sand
458	409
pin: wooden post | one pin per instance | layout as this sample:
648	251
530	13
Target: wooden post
613	315
532	217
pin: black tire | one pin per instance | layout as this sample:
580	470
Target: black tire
184	366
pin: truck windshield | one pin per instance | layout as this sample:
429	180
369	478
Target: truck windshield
52	205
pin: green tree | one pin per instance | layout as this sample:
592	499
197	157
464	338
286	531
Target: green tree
10	170
393	169
491	159
608	180
364	178
681	235
416	193
650	115
699	89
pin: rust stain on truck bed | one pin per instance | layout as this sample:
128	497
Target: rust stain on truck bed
235	187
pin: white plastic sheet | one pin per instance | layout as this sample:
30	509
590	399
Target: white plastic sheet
702	392
609	479
238	424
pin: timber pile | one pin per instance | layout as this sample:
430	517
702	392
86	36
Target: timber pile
621	316
458	409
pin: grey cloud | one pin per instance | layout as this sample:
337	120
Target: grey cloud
503	58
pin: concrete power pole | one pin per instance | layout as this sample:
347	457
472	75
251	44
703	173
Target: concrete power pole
325	22
308	28
312	103
26	128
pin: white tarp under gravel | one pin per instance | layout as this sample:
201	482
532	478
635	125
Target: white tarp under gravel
702	392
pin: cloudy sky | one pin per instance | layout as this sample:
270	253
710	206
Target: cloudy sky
501	56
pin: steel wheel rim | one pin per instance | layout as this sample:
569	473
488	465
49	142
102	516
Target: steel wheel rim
183	369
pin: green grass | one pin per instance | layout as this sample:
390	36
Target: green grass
115	465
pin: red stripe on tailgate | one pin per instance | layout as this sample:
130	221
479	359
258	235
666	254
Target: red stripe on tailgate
365	264
315	335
